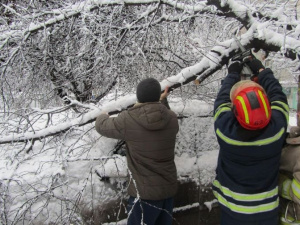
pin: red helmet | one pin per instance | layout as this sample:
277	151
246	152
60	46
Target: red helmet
251	105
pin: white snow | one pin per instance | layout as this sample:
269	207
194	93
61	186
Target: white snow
69	170
209	205
279	13
66	168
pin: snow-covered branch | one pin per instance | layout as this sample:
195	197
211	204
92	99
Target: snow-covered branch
263	28
90	5
63	63
209	64
247	13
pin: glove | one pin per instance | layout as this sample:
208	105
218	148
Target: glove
235	67
255	65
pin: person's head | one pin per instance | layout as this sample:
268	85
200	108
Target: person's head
250	105
148	90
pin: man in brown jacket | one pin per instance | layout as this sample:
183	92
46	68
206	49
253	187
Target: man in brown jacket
149	129
289	182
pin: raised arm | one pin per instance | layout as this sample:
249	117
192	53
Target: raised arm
272	86
266	79
223	97
111	127
164	97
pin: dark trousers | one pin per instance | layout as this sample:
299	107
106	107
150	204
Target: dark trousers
228	220
149	212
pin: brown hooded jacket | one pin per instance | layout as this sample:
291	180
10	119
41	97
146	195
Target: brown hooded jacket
149	130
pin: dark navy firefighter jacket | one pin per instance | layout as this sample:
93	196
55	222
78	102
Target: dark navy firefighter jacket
247	171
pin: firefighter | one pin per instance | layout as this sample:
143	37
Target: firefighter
251	119
289	182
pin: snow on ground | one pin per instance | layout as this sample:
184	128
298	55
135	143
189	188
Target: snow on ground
51	179
55	175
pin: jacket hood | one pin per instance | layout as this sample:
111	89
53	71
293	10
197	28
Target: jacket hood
151	116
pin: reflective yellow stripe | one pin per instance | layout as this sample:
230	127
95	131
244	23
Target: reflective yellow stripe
244	108
286	187
253	143
285	110
286	114
227	104
296	188
264	103
285	106
224	109
246	209
246	197
289	221
282	222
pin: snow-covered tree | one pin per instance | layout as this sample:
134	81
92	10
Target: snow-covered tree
62	63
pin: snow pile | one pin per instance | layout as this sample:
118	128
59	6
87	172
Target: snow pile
79	172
